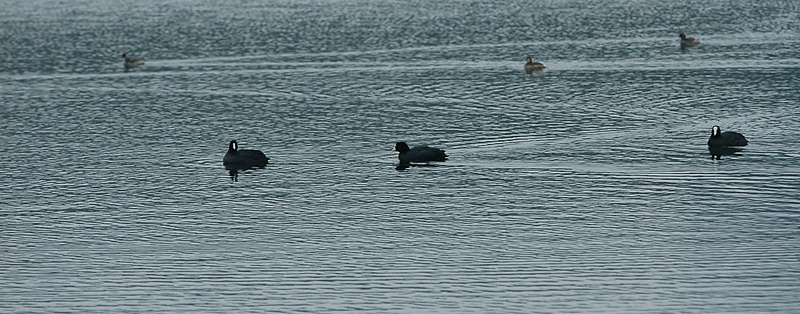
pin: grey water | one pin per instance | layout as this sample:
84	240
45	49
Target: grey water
587	187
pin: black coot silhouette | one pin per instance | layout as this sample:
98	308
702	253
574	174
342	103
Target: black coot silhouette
243	159
419	154
719	138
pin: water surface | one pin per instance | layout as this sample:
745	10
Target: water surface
586	187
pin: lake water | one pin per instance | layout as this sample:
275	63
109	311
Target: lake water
584	188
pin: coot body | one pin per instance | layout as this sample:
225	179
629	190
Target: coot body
244	158
422	154
719	138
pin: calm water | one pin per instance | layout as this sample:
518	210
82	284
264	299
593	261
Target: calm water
587	187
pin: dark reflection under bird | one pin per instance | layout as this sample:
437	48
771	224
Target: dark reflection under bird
718	151
719	138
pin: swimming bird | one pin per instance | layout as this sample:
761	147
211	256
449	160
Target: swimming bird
130	62
243	159
688	41
719	138
418	154
531	66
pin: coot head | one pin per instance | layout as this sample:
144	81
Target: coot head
715	131
401	147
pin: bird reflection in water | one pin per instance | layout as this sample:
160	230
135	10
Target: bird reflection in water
718	151
405	165
234	170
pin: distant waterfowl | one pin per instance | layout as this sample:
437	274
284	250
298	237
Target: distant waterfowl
419	154
531	66
688	41
719	138
130	63
243	159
